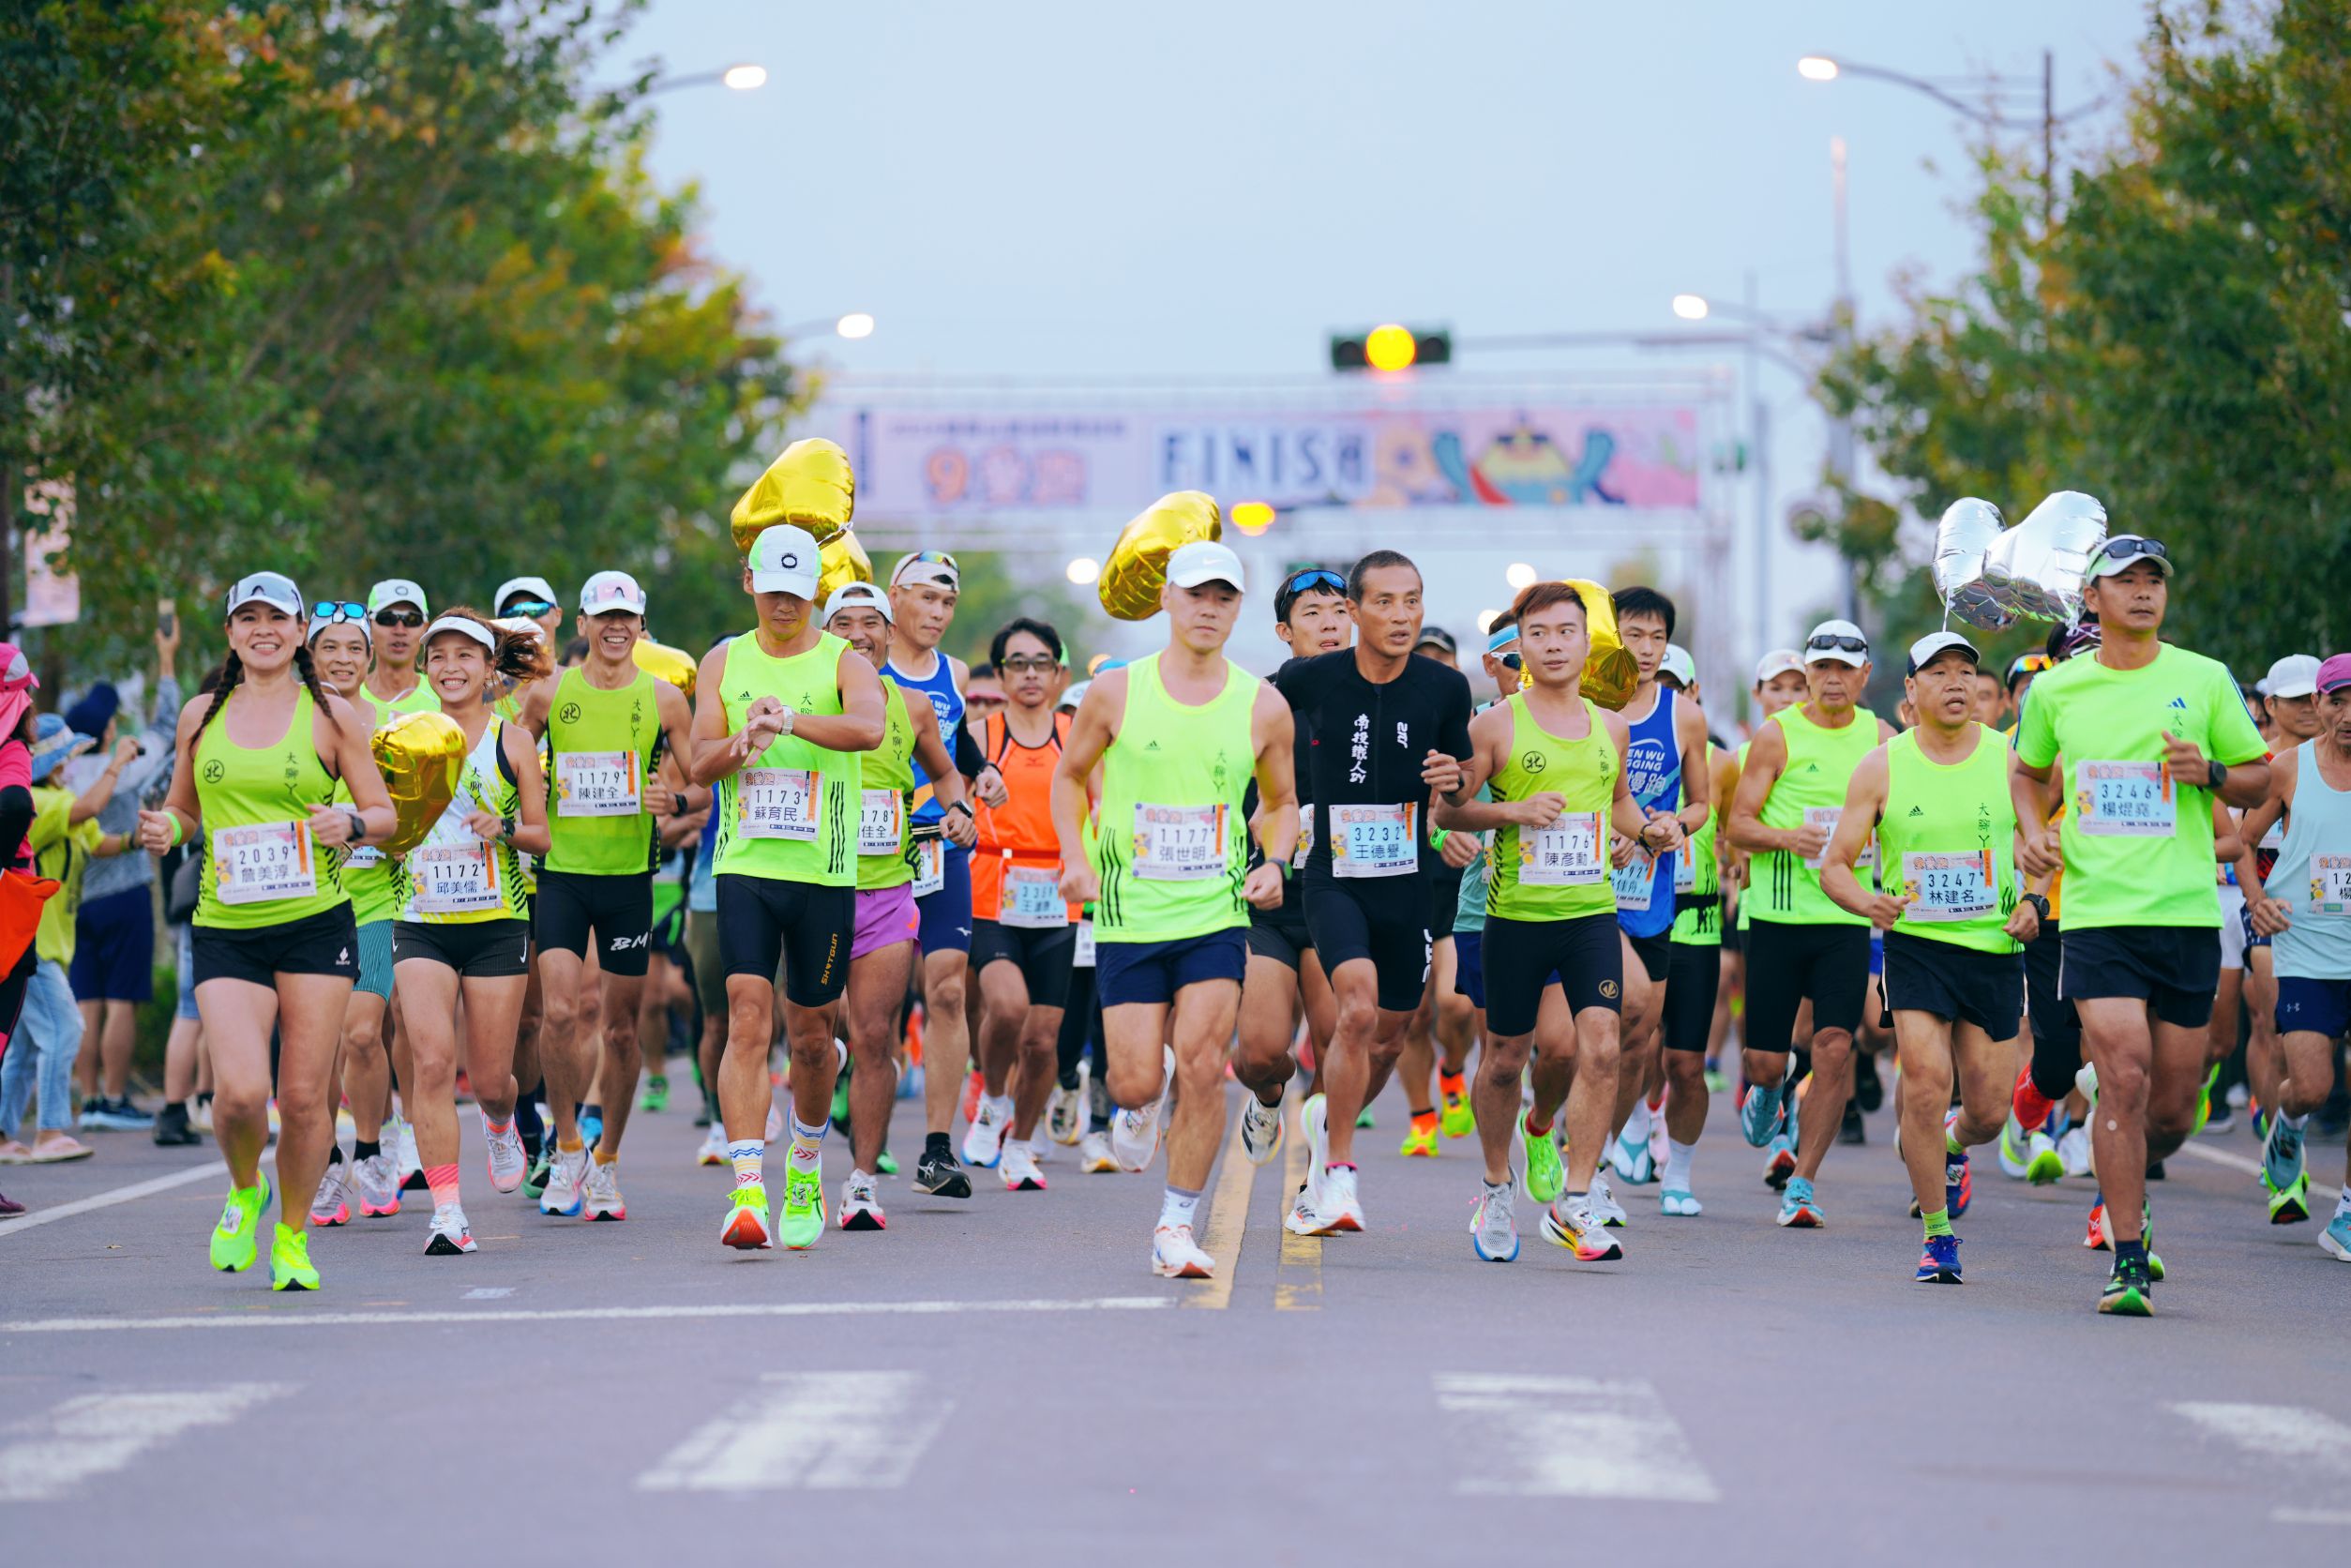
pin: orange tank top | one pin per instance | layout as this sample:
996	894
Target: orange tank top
1020	833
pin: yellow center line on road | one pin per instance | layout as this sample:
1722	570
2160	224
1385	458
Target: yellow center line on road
1299	1286
1228	1223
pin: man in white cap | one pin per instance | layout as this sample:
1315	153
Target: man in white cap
397	608
531	598
612	732
781	717
1177	736
1801	947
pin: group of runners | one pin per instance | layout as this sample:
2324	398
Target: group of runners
1105	896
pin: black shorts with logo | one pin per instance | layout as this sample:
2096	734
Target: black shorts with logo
1044	955
1385	919
326	942
2175	969
475	949
762	919
617	909
1962	984
1583	956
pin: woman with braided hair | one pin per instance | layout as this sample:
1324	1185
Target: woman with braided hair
275	946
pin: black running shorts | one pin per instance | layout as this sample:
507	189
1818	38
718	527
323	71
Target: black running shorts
763	918
618	909
1520	958
1385	919
1788	964
1043	956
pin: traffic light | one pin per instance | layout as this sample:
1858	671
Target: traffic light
1391	348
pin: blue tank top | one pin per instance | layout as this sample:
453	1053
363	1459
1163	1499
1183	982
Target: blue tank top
945	700
1652	771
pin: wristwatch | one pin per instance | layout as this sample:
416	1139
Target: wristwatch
359	825
959	805
2040	903
788	716
2215	774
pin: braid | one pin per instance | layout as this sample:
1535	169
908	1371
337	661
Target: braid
308	669
232	676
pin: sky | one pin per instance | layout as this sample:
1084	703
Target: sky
1085	189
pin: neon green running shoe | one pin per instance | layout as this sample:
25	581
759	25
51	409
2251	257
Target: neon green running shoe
657	1097
2204	1099
290	1261
803	1206
1457	1120
1363	1118
2129	1293
1544	1175
2292	1206
886	1163
235	1238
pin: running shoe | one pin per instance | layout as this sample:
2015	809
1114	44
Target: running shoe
1632	1160
1799	1209
411	1168
861	1203
1135	1134
803	1219
2336	1237
1094	1154
885	1163
2281	1157
1420	1144
1494	1224
772	1130
450	1235
1260	1129
2074	1152
1603	1202
2095	1238
745	1228
1540	1157
1939	1263
2043	1163
1678	1205
2204	1100
1458	1118
1959	1185
542	1167
2130	1290
937	1175
563	1180
984	1140
714	1148
973	1087
2015	1153
332	1204
1580	1232
840	1101
1760	1114
1019	1167
1335	1203
591	1125
656	1095
172	1129
1064	1115
235	1238
1782	1164
1363	1118
1715	1081
290	1261
378	1181
2291	1206
2147	1240
508	1162
1174	1254
600	1193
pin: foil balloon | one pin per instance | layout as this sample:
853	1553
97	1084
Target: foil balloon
665	663
1137	567
1969	528
2035	570
1611	675
421	756
810	485
841	562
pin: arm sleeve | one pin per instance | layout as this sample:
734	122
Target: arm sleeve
16	816
969	757
2036	731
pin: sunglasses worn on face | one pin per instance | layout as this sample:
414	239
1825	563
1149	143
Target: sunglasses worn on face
1839	644
1511	661
1030	666
532	608
408	618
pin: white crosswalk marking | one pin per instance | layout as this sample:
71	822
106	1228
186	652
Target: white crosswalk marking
1571	1436
2284	1432
48	1455
811	1430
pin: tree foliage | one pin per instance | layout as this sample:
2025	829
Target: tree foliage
2178	342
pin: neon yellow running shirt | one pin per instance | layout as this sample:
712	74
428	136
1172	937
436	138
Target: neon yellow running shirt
1170	851
261	866
791	813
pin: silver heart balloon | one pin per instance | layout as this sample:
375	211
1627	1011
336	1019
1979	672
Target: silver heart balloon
2035	570
1969	528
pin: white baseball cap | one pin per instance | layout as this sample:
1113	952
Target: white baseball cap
464	626
273	589
1679	664
1778	662
857	595
610	591
926	568
784	561
1926	649
1838	641
1205	561
536	588
397	590
2295	675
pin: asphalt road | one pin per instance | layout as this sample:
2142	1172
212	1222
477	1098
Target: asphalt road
1003	1381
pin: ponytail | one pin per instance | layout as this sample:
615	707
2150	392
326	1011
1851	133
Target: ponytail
232	676
306	668
518	652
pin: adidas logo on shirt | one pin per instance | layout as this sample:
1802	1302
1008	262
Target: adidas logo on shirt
2179	703
1812	767
1150	746
1918	812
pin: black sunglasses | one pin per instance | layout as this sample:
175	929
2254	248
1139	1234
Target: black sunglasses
1511	661
409	618
2133	547
1842	644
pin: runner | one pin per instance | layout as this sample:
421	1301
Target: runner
2289	703
1386	728
1443	1011
397	607
1024	937
881	948
462	935
1779	684
1176	738
1695	1008
1936	799
2310	788
1310	617
1801	947
532	600
782	717
275	944
618	736
1555	761
2150	735
1503	661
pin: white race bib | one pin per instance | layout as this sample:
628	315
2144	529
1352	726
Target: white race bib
1084	959
263	861
458	878
1635	883
1305	838
930	866
1949	886
1825	817
2124	800
597	784
1372	841
778	803
1179	843
1686	870
2331	885
1565	854
1033	898
361	857
881	821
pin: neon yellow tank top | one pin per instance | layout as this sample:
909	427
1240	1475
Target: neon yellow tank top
261	866
1701	926
886	781
790	814
606	747
1948	833
1820	764
1559	872
455	878
1169	850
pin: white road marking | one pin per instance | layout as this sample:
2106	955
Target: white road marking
489	1293
820	1431
213	1171
99	1434
268	1319
2319	1191
2285	1432
2310	1516
1571	1436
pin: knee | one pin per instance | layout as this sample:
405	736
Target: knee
944	994
2123	1085
1133	1087
1685	1071
1358	1019
1832	1056
1501	1062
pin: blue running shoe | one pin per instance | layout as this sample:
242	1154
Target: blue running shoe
1797	1208
1959	1186
1759	1115
1939	1263
1781	1164
2280	1155
2336	1237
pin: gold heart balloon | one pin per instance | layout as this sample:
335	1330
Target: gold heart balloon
665	663
1137	567
842	560
1611	675
810	485
421	756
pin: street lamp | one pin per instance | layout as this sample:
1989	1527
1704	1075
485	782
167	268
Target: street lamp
1690	307
743	77
1083	570
856	325
1519	574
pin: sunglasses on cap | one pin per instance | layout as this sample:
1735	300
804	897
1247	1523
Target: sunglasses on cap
532	608
2029	664
1313	577
2133	547
1837	644
336	610
388	616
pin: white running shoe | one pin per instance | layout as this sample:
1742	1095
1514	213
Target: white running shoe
1135	1134
714	1148
1314	1117
1174	1254
774	1120
564	1174
1494	1224
1065	1114
1335	1207
1260	1129
861	1203
600	1194
1019	1167
508	1165
2073	1151
450	1234
1094	1154
1603	1202
332	1205
984	1140
1630	1159
409	1165
378	1183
